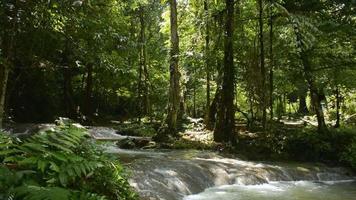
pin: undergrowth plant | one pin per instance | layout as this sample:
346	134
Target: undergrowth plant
59	164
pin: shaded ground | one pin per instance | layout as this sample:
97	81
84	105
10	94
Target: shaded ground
288	139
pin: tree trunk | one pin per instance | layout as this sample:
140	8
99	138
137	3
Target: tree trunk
338	102
4	74
141	96
7	52
207	60
174	89
213	110
308	74
146	93
303	108
262	65
271	72
224	127
67	85
194	100
68	93
316	101
88	90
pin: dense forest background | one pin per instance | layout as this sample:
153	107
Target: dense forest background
254	61
246	80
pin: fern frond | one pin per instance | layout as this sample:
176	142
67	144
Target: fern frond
44	165
42	193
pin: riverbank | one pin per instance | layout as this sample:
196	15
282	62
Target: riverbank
192	163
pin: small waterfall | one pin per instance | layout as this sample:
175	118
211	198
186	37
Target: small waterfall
176	174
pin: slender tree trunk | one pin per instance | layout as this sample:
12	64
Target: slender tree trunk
285	103
174	89
88	90
194	96
147	103
250	101
262	64
207	60
139	94
67	85
224	127
68	93
338	102
271	70
308	74
4	73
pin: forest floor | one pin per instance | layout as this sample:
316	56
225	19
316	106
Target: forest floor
289	139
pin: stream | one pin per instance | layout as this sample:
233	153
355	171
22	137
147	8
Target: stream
199	175
206	175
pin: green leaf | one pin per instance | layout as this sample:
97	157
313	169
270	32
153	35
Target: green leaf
63	178
29	161
54	167
41	165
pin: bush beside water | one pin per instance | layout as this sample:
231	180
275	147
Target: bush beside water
59	164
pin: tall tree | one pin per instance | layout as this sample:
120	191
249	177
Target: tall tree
207	60
9	18
316	96
142	79
225	122
271	72
174	88
262	64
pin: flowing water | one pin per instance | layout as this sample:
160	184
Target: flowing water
204	175
197	175
298	190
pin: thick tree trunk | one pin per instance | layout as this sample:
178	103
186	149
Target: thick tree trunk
207	60
174	89
224	127
308	74
262	65
303	108
213	110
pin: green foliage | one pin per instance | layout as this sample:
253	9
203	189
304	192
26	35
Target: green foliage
337	146
328	146
60	164
137	129
188	144
350	154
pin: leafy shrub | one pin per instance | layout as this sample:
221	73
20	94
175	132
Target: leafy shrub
349	155
59	164
136	129
309	145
